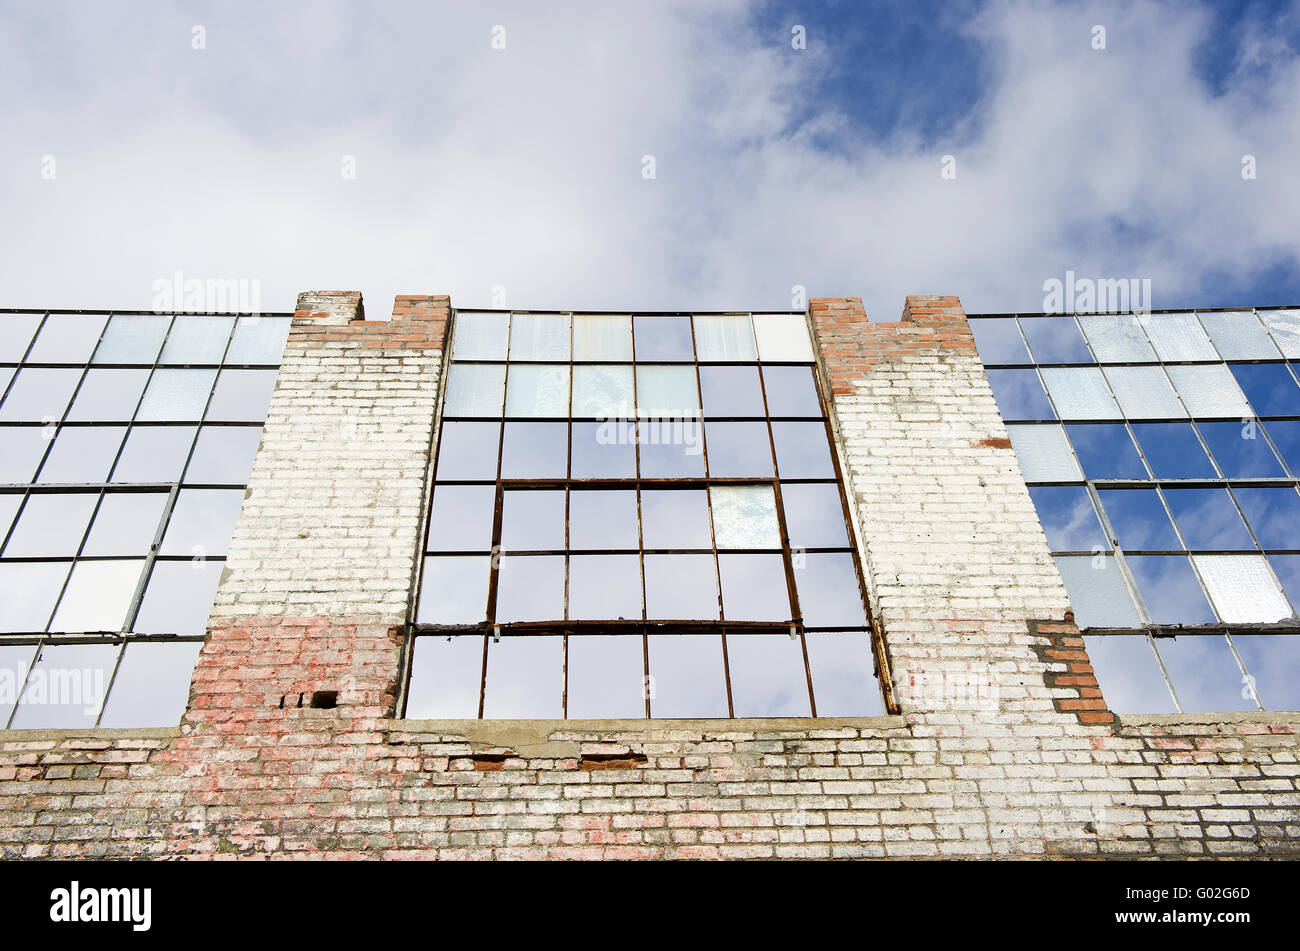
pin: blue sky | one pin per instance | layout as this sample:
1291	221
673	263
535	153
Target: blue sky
515	176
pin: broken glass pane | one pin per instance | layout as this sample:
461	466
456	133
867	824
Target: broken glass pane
1208	519
532	520
791	391
732	391
530	588
1274	663
829	596
663	338
242	396
31	588
1137	519
454	589
154	454
202	522
21	451
525	678
671	448
535	451
67	338
39	394
1129	676
152	685
814	515
1170	590
754	587
738	450
1106	451
604	450
179	597
803	450
82	454
687	676
51	525
1019	394
1241	451
446	674
224	455
1173	451
998	341
1274	514
109	394
1055	339
16	332
1068	518
461	518
603	519
1205	675
676	518
768	678
1270	387
606	677
66	687
844	684
125	523
604	587
468	450
681	587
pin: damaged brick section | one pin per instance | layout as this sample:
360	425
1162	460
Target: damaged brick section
1068	672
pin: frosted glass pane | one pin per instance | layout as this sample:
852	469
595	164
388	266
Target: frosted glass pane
1044	454
39	394
539	337
475	390
744	516
109	395
1097	591
16	332
258	340
132	338
667	391
783	337
195	339
1144	393
1242	588
67	338
604	392
176	395
724	337
602	337
1285	328
454	589
480	336
1117	338
97	596
1079	393
1178	337
446	674
1238	335
1209	391
538	391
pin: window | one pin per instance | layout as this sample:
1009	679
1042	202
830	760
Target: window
637	515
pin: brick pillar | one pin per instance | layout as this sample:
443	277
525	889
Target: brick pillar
968	602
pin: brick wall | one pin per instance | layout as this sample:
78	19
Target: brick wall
1002	746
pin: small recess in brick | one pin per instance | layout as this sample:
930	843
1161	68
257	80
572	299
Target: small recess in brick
324	699
612	760
489	762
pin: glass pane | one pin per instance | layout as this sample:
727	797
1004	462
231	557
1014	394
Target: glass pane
97	596
21	450
109	395
687	677
82	454
242	396
1242	589
1238	335
446	674
39	395
1204	673
676	518
681	587
475	389
258	340
179	597
1043	453
1284	325
1270	387
803	450
1055	339
1241	451
132	338
125	523
604	392
1097	591
768	678
525	678
454	589
176	395
16	332
744	516
814	515
606	677
1145	393
1117	338
535	451
733	391
666	391
754	588
224	455
1178	337
539	337
461	518
530	588
31	588
1106	451
844	684
468	450
663	338
1129	676
604	450
724	337
1138	521
194	339
1173	451
739	449
602	337
539	391
532	520
67	338
603	519
1209	391
998	340
1208	519
605	588
1274	514
783	338
51	525
1068	518
1170	589
791	391
1286	437
479	337
1080	393
202	522
15	659
829	595
152	685
66	687
671	448
1274	663
154	454
1020	394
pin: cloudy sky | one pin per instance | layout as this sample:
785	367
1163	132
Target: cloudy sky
138	140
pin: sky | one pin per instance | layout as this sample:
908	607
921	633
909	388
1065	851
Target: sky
502	152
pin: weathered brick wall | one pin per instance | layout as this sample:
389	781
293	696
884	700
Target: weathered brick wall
1003	746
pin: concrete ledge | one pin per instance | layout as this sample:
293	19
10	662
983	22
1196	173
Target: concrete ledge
1205	719
133	733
